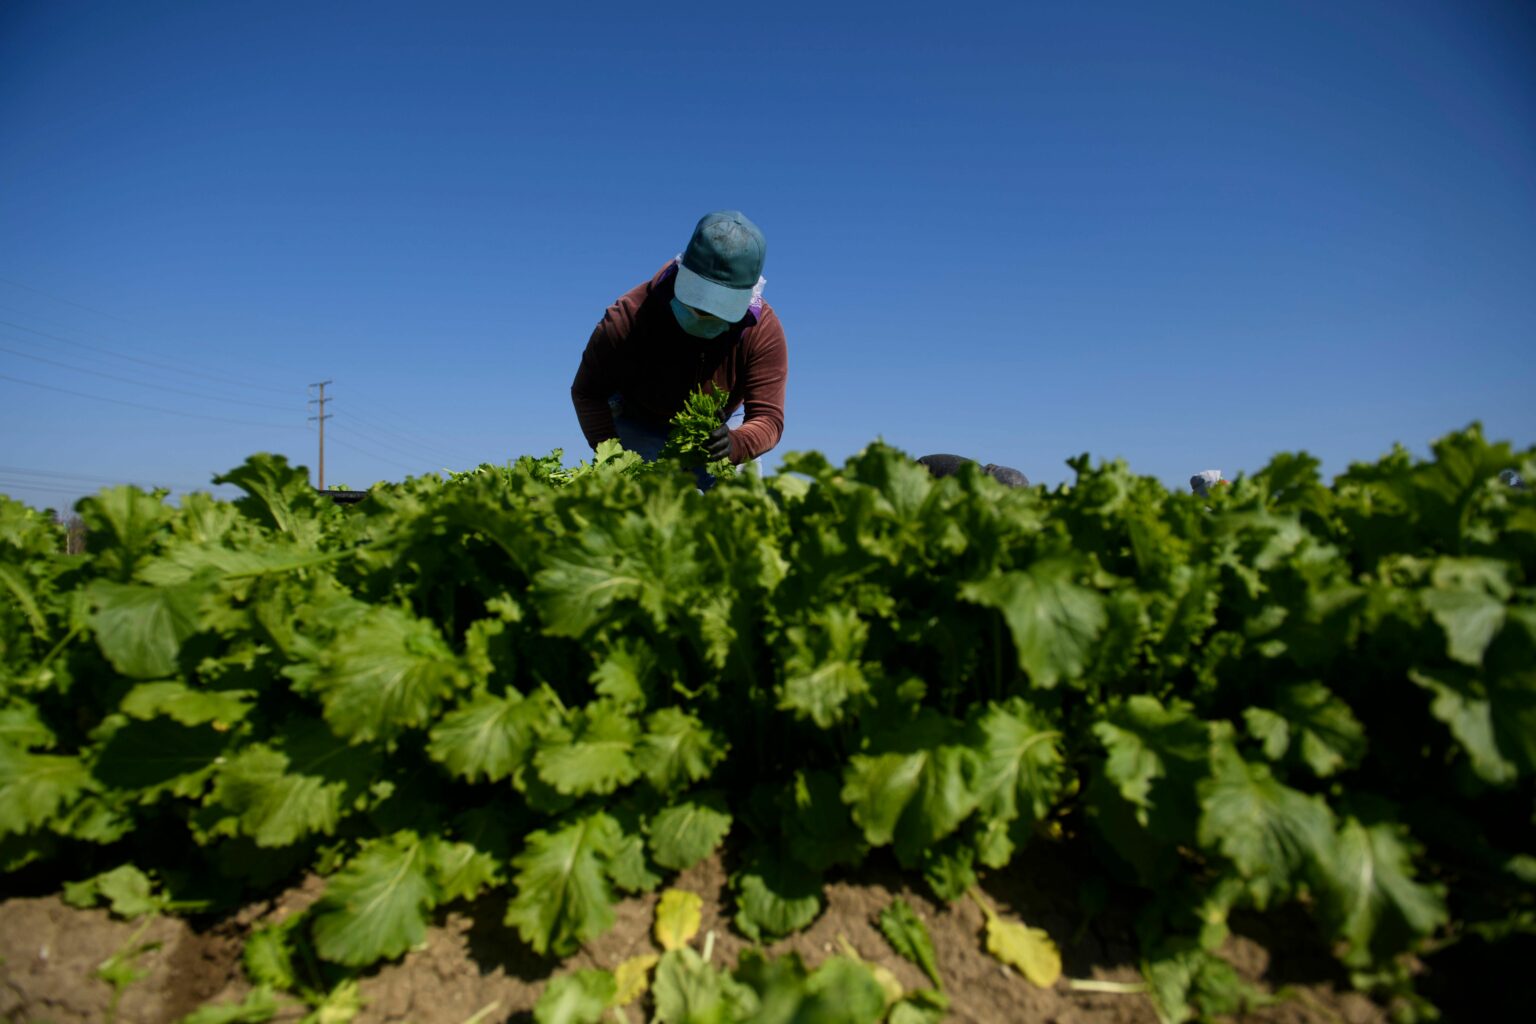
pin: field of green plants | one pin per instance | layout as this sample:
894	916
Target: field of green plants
567	685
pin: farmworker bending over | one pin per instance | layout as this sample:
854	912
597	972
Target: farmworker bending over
948	465
701	319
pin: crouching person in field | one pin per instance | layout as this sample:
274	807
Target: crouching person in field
948	465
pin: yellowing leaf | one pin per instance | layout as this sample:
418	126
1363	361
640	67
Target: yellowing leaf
888	984
883	977
1030	950
633	978
677	918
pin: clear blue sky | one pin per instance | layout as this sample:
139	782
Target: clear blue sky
1186	234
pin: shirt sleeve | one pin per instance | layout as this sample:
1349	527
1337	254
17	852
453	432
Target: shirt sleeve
765	375
596	376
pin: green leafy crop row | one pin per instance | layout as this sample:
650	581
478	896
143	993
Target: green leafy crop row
569	685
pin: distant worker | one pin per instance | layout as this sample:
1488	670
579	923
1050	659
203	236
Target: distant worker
948	465
1202	482
701	319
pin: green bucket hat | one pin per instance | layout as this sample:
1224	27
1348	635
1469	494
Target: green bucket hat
721	265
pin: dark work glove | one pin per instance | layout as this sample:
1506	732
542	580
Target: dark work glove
719	444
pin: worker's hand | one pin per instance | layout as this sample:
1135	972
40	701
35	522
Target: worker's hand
719	444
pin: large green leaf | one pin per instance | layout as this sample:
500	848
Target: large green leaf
183	562
375	908
146	759
301	785
1467	598
686	832
818	829
1371	898
1317	724
1183	979
823	677
1274	835
22	728
576	998
629	867
1470	620
186	705
774	895
123	525
1054	621
577	590
279	495
562	896
624	673
1462	702
1156	754
388	673
911	800
688	990
490	737
842	991
459	870
14	580
646	557
1020	775
1492	712
595	754
677	750
126	889
1511	676
141	628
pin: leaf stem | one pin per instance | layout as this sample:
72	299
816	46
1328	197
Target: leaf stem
484	1012
1114	988
74	632
986	908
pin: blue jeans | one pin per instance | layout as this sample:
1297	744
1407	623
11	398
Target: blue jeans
646	439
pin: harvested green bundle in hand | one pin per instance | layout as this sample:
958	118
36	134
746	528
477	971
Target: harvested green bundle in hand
689	442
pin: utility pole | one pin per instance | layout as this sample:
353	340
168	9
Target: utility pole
321	418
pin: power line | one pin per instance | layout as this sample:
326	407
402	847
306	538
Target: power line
11	489
58	298
320	419
120	355
34	486
430	446
375	455
59	488
216	378
390	446
146	384
78	477
435	450
151	408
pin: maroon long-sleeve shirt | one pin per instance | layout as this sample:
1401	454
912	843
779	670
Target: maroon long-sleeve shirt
639	351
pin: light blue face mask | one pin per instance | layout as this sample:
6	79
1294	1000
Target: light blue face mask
696	325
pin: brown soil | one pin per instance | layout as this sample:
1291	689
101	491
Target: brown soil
473	968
